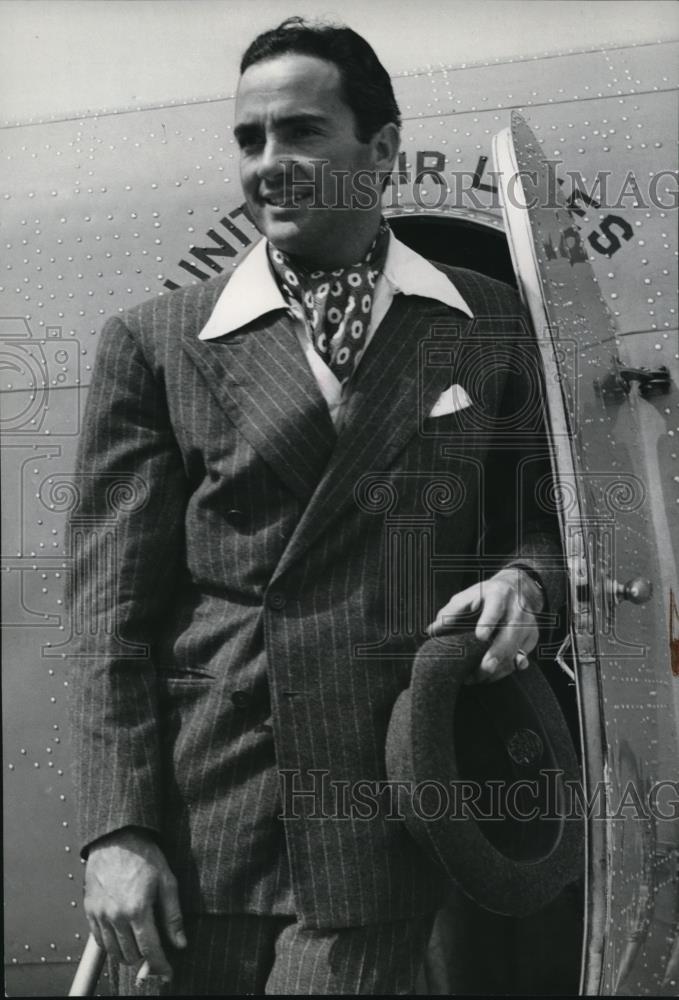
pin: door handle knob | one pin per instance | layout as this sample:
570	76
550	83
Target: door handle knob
637	590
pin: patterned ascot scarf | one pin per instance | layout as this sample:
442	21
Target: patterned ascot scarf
335	304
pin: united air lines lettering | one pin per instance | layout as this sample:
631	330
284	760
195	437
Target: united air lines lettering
613	229
426	181
605	240
222	248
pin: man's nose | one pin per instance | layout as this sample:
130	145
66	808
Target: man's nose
273	161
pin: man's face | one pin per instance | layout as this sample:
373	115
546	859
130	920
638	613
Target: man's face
289	113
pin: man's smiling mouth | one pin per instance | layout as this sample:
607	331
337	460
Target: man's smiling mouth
277	200
286	198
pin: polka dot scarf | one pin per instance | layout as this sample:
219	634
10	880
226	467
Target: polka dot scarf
335	304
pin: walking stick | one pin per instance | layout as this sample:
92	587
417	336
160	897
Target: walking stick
88	971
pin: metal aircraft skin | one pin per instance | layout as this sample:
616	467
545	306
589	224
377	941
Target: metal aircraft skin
105	209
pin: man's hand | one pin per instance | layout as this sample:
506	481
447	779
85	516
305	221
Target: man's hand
508	603
128	880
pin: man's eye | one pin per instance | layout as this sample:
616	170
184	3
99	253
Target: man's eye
302	131
248	142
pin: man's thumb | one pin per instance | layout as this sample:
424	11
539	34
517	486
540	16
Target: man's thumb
171	914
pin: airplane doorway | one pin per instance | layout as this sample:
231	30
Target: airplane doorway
482	247
458	242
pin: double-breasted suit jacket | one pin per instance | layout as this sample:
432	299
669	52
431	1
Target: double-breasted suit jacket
249	587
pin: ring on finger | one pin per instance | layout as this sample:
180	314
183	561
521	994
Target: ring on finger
520	659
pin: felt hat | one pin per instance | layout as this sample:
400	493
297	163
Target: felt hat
486	774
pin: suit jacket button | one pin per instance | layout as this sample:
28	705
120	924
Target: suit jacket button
276	600
241	699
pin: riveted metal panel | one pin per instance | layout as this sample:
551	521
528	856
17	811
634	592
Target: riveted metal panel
530	82
618	527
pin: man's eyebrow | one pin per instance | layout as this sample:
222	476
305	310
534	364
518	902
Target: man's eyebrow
302	118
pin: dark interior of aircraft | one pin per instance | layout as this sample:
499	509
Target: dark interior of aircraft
475	951
458	242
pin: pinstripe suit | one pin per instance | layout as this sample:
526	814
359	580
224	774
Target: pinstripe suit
248	617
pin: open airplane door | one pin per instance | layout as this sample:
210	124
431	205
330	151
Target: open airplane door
612	418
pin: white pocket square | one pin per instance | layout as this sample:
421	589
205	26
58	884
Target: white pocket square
451	399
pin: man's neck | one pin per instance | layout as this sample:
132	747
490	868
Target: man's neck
352	253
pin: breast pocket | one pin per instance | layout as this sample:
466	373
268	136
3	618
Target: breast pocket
462	422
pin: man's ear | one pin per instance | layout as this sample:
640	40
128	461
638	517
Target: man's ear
385	145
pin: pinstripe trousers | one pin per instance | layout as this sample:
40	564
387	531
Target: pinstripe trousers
231	955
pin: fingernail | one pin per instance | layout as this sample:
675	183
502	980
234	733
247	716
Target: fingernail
181	939
489	664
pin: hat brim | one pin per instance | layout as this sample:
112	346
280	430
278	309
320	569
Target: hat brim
508	865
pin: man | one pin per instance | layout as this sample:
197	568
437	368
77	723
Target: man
268	429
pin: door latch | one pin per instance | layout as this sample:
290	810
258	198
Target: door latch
617	384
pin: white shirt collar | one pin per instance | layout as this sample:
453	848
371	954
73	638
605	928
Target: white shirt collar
253	291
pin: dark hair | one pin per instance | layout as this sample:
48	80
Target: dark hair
366	85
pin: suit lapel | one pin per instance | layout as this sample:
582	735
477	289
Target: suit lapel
262	380
393	388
